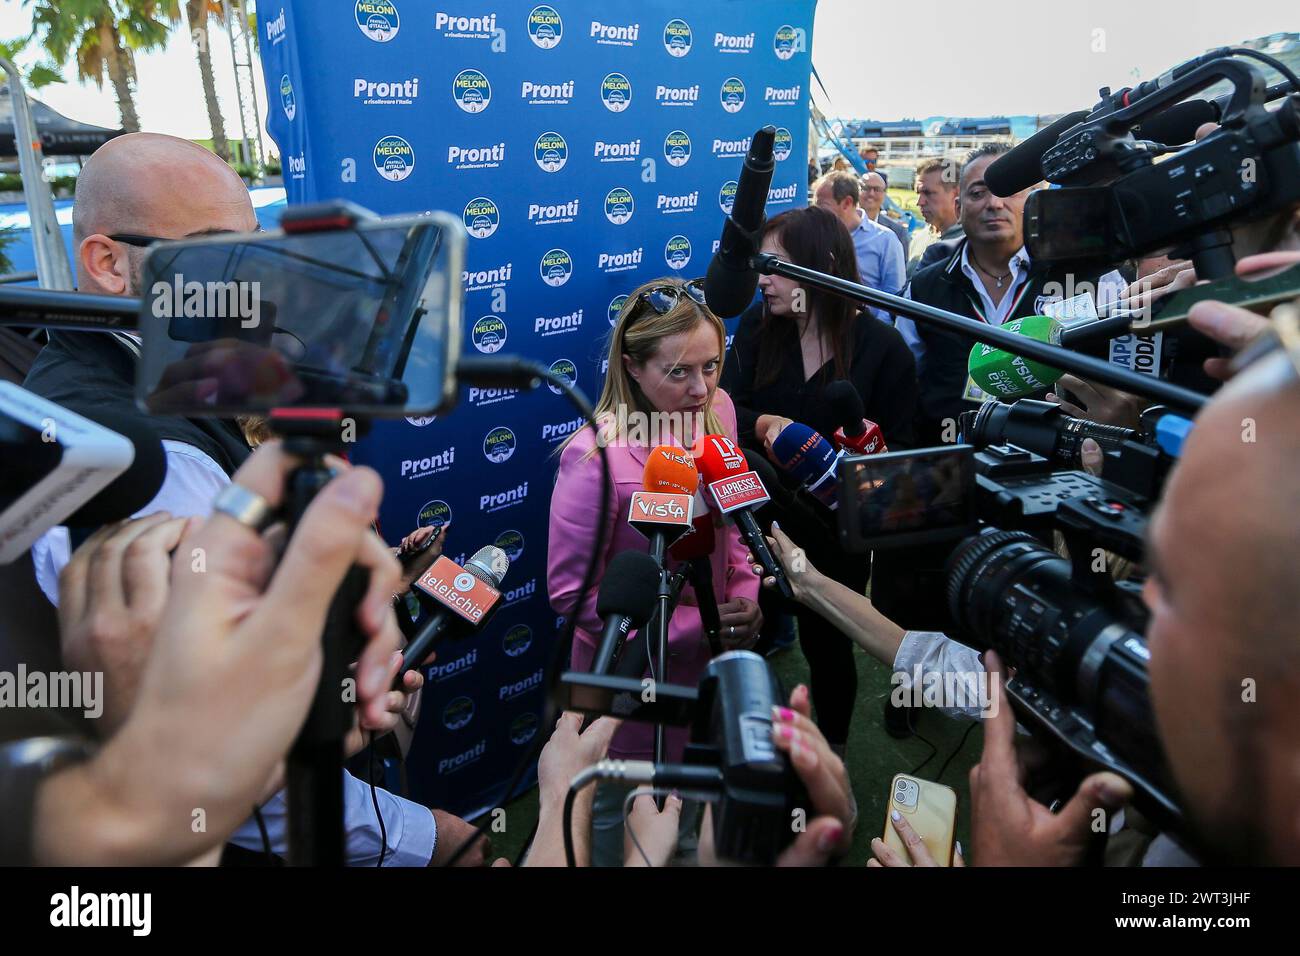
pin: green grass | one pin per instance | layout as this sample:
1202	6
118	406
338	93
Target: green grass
873	759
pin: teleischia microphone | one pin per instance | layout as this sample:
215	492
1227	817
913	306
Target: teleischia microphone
466	599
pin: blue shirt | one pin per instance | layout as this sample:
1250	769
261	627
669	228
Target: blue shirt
880	259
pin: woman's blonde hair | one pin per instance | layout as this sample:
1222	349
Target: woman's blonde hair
638	334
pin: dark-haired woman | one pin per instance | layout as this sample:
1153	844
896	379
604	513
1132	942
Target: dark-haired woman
787	349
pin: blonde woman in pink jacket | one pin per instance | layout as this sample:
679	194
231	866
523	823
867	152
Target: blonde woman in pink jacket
665	360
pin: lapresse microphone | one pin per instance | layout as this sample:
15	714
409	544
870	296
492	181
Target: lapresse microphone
730	283
1008	376
625	602
809	458
466	598
856	434
81	468
737	491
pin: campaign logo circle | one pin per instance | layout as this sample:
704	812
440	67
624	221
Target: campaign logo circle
677	37
565	369
677	148
419	421
616	308
457	713
616	92
523	728
463	582
784	42
733	94
727	195
499	445
783	144
377	19
545	28
435	514
489	334
517	640
678	252
619	205
557	266
551	152
481	217
287	99
394	158
512	543
471	91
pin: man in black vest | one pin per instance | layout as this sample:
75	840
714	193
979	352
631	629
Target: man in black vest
989	278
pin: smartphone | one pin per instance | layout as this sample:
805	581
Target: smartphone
931	809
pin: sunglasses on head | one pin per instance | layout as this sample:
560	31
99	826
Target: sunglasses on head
664	298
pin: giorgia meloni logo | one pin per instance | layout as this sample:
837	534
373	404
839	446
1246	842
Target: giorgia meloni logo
678	252
523	728
727	195
517	640
733	94
512	543
435	514
677	148
545	28
783	144
457	713
619	205
785	42
394	158
616	308
566	370
481	217
557	266
499	445
287	99
551	152
378	19
471	91
489	334
677	37
616	92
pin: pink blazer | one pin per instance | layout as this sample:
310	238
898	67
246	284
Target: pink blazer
574	506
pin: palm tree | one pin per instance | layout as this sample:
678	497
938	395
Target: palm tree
199	12
101	35
34	77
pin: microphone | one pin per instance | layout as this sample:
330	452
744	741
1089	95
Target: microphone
625	602
1009	376
1022	167
738	491
466	596
856	433
700	541
731	282
811	459
79	468
663	512
1179	123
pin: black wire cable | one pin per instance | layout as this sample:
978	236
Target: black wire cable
562	646
1271	61
960	744
933	751
266	837
374	799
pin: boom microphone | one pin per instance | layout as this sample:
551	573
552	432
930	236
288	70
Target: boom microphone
1179	123
731	282
625	602
1022	167
856	433
466	597
738	491
1006	375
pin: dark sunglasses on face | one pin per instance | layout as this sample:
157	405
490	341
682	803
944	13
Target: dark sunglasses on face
131	239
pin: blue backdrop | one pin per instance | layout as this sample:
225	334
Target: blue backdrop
589	147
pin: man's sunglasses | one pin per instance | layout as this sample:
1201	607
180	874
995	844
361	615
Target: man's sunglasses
131	239
664	298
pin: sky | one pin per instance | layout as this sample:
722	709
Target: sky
952	57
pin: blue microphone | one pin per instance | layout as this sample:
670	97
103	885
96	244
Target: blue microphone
810	458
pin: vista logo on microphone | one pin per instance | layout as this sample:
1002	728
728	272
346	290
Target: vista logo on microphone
458	590
551	152
677	148
377	19
545	27
733	94
394	158
660	508
556	267
678	38
471	91
616	92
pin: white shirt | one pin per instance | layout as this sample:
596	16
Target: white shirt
930	652
192	481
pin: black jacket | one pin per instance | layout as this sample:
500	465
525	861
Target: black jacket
943	366
881	368
96	370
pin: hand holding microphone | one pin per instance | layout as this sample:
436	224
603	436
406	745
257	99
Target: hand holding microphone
466	598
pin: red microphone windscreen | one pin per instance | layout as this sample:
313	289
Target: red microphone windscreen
670	470
700	543
719	458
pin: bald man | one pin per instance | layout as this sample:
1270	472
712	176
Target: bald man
135	190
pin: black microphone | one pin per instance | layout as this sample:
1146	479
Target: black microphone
451	590
1179	123
1022	167
731	282
625	602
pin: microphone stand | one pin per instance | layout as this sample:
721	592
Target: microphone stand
659	629
1083	365
700	571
